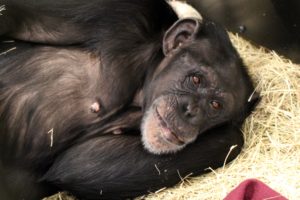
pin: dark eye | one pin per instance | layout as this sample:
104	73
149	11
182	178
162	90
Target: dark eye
216	105
196	80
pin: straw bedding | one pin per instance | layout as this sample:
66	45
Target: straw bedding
272	134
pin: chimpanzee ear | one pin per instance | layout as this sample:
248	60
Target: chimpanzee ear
182	31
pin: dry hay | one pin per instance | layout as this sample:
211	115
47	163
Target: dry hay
272	134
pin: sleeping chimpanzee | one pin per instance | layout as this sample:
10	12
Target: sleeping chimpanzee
102	66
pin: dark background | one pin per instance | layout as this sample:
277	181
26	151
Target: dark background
274	24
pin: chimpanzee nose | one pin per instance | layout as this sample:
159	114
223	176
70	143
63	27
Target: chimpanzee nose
190	111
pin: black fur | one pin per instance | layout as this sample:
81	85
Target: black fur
118	167
70	54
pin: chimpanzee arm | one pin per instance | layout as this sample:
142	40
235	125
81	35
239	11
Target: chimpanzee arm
117	167
42	22
75	22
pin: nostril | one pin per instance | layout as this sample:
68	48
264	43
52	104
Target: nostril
188	114
191	111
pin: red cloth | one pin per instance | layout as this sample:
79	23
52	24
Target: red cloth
253	189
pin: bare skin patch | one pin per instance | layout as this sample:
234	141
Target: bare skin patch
95	107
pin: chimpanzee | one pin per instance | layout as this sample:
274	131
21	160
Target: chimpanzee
89	68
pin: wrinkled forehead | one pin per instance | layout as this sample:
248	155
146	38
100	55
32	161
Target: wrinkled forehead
224	62
221	62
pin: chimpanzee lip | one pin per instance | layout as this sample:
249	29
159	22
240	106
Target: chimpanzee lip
167	133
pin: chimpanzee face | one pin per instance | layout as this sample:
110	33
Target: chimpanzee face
200	84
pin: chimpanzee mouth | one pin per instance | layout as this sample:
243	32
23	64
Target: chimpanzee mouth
166	133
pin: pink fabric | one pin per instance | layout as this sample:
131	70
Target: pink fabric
253	189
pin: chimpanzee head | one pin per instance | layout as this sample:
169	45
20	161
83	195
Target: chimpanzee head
201	83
